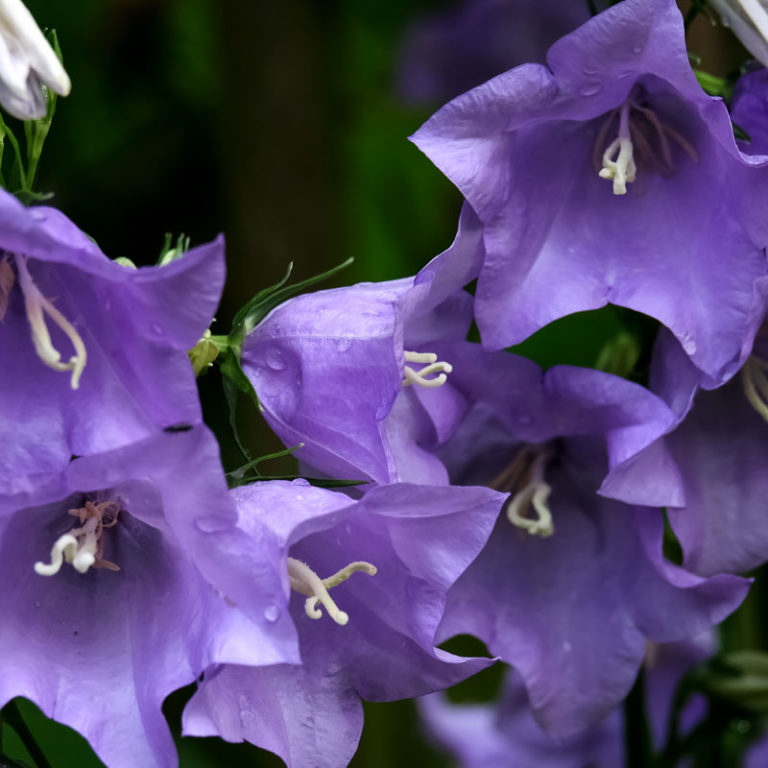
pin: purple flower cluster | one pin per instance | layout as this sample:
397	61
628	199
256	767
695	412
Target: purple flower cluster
492	498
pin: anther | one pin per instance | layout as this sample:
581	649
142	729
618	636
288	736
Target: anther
304	580
38	307
618	160
432	365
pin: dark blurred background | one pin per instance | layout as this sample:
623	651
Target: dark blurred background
285	126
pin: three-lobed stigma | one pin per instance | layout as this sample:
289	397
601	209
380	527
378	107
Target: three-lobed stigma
431	365
304	580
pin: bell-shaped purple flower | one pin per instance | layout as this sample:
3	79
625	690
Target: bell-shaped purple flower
608	175
128	585
94	353
570	586
330	367
369	581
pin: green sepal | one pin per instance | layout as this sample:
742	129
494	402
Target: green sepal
252	313
240	476
713	85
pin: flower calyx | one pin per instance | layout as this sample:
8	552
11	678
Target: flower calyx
304	580
83	546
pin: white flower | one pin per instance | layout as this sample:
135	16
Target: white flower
26	62
749	21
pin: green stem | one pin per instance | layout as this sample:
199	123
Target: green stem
13	717
637	732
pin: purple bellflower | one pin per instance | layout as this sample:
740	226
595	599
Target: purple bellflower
570	586
369	580
94	353
127	586
505	733
608	175
448	53
708	470
331	367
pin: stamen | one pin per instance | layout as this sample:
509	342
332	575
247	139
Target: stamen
83	546
37	307
304	580
755	382
622	169
432	365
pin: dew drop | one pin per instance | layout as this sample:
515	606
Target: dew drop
38	215
591	90
157	329
274	359
271	612
381	413
689	345
638	49
212	524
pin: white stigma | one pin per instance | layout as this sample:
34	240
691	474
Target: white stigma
755	382
432	365
38	307
533	498
82	547
77	547
618	160
304	580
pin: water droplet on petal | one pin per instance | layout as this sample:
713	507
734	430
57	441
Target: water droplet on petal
38	215
689	345
590	90
271	612
157	329
381	413
638	49
212	524
274	359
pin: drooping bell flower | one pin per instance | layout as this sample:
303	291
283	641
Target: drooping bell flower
608	175
27	63
127	586
330	367
368	581
571	586
94	353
